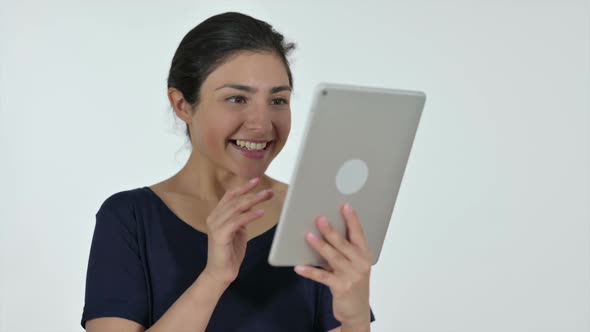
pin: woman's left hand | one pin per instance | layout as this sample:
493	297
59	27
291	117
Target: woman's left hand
349	268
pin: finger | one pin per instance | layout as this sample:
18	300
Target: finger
337	241
225	232
356	234
239	191
317	275
333	257
244	219
220	213
359	261
245	203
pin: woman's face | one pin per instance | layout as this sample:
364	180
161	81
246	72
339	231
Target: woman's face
243	118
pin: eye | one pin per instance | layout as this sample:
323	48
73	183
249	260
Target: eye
237	99
279	101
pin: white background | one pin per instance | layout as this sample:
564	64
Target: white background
491	229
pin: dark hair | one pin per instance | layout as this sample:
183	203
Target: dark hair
210	43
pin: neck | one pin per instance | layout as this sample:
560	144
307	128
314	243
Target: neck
203	178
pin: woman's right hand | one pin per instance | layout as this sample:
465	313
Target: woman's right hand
227	232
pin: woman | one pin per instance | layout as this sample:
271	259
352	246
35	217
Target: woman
190	253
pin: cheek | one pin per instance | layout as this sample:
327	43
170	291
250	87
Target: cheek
207	132
283	125
209	138
214	134
215	129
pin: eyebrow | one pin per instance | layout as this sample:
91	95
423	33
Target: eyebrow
250	89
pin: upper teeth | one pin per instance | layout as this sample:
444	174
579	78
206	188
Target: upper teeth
251	145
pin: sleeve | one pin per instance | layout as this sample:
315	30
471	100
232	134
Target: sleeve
115	280
326	320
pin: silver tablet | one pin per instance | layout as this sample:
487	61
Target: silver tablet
355	150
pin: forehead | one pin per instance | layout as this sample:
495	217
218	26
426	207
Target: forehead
257	69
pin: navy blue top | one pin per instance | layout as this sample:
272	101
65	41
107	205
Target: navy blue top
143	257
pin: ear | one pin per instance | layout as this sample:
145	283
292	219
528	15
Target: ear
181	106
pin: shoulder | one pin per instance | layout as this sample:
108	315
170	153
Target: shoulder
123	201
119	215
124	198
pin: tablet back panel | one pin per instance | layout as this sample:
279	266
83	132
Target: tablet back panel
355	149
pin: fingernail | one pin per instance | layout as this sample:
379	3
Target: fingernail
259	212
253	180
347	207
299	269
323	222
263	193
312	237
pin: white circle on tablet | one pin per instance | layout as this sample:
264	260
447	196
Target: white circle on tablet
351	176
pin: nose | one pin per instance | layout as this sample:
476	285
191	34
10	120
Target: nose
258	119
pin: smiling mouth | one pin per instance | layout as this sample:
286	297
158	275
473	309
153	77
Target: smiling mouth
251	146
